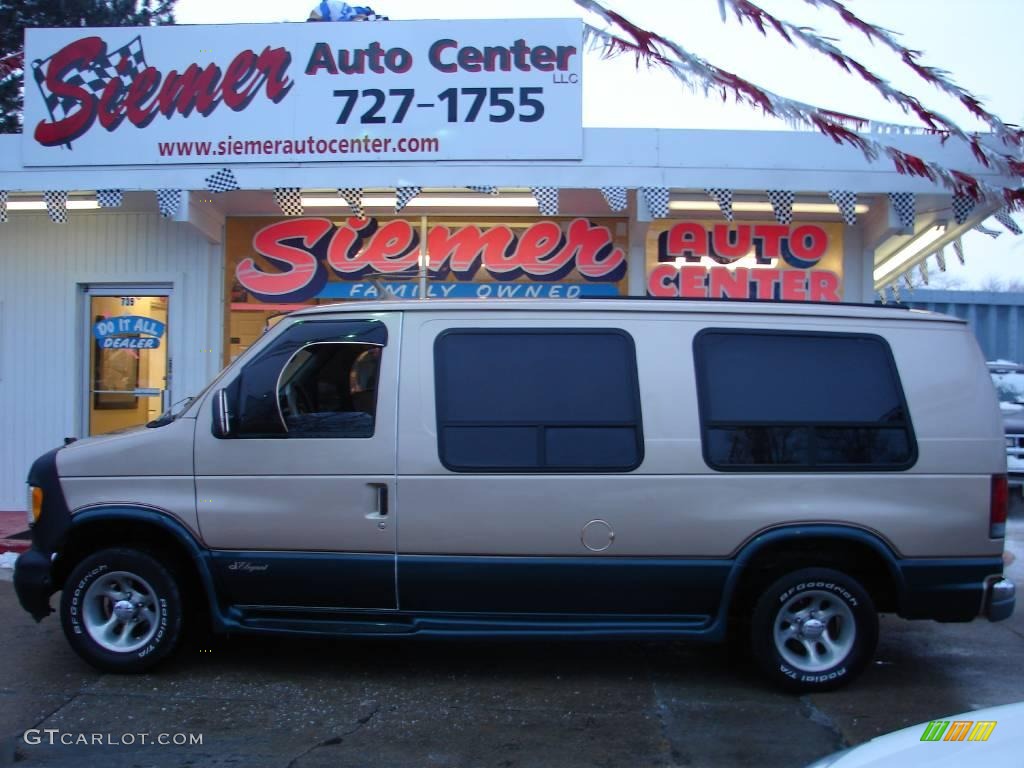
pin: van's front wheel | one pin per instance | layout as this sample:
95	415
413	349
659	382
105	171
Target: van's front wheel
814	630
121	610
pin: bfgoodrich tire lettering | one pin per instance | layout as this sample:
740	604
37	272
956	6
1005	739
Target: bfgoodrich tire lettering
121	610
814	630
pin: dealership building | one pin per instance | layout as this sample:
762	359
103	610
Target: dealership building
166	202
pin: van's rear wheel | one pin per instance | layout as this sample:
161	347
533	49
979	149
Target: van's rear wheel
814	630
121	610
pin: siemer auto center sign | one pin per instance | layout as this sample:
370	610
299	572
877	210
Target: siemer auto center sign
249	93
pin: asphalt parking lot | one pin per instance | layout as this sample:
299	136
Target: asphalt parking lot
302	704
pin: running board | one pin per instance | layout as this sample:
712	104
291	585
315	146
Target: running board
286	620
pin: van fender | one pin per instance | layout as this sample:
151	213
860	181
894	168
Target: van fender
134	513
786	533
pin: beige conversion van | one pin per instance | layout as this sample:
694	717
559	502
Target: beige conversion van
781	473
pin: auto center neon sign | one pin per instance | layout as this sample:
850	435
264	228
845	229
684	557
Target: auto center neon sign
303	254
773	248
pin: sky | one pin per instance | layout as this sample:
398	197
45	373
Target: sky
976	41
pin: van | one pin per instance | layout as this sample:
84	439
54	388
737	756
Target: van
778	473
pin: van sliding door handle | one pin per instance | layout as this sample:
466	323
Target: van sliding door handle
382	499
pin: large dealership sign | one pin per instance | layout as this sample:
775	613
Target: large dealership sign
301	259
764	261
250	93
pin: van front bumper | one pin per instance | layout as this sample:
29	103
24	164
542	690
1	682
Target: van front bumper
33	583
1000	599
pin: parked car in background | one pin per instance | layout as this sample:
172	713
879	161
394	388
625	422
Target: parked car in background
1009	382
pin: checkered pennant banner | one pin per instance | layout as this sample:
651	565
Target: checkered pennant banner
846	202
1004	218
940	256
3	206
289	200
354	197
124	63
896	292
962	207
109	198
782	204
883	296
484	190
222	181
908	281
547	200
168	201
724	199
657	201
993	233
56	205
923	269
404	195
616	197
903	203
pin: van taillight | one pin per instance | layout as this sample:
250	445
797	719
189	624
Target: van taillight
998	507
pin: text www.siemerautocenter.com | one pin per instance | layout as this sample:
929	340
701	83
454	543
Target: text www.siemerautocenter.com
231	147
56	737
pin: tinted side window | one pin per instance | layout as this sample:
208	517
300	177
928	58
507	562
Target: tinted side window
537	400
330	390
774	400
303	373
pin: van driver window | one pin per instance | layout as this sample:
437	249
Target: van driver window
329	390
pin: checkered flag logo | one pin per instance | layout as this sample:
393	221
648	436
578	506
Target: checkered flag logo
903	204
724	199
547	200
782	204
110	198
940	256
125	64
616	197
1004	218
846	202
3	206
222	181
404	195
354	197
56	205
168	201
484	190
289	200
657	201
962	207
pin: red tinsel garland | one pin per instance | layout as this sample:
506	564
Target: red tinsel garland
937	77
841	128
935	122
11	63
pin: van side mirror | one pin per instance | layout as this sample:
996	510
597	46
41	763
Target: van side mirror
221	414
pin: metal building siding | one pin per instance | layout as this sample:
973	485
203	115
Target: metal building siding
41	338
997	319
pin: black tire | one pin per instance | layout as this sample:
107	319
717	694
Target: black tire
815	610
145	628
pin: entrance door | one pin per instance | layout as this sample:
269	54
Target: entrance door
128	371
